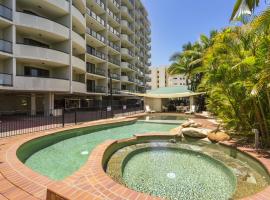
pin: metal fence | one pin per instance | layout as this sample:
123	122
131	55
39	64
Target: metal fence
18	122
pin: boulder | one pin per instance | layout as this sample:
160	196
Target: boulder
195	125
176	131
218	136
187	123
195	132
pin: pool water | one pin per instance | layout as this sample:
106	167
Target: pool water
178	174
63	158
187	170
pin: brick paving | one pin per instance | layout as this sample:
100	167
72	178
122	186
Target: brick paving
90	182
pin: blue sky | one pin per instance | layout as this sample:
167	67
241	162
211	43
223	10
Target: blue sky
175	22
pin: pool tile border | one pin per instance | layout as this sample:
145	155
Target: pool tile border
90	182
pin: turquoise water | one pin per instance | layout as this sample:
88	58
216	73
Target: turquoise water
65	157
179	174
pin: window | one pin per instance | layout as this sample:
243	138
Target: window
90	67
36	72
32	42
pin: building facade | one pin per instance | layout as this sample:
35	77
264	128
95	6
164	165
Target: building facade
160	78
56	53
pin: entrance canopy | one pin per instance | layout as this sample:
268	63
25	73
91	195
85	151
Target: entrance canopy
169	93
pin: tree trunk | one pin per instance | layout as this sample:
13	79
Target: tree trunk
259	121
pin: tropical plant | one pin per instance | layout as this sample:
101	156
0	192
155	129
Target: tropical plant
234	69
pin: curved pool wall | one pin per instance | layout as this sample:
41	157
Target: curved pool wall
235	153
60	154
158	139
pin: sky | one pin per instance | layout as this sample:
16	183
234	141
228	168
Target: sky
176	22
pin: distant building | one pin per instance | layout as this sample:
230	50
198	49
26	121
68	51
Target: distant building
160	78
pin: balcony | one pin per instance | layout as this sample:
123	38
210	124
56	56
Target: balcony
5	12
95	17
78	17
116	91
78	87
78	63
127	79
78	40
114	17
128	66
126	38
112	30
127	52
6	79
114	46
52	56
114	61
115	76
41	84
101	4
41	24
5	46
97	71
115	3
96	35
127	25
126	12
97	89
96	53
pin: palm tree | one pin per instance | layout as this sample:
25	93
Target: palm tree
243	7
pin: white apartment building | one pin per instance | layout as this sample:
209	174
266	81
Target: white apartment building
160	78
56	53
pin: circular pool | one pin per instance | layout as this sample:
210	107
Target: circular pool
185	169
178	174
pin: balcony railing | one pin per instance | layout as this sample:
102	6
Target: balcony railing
115	91
113	15
113	60
114	46
95	16
97	71
116	3
111	29
5	46
96	53
5	12
115	76
97	89
6	79
100	3
95	35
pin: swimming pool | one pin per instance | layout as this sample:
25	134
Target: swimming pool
59	155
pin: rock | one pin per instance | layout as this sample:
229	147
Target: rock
176	131
251	179
195	132
187	123
218	136
195	125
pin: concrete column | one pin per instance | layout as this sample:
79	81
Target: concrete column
49	103
191	102
33	104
